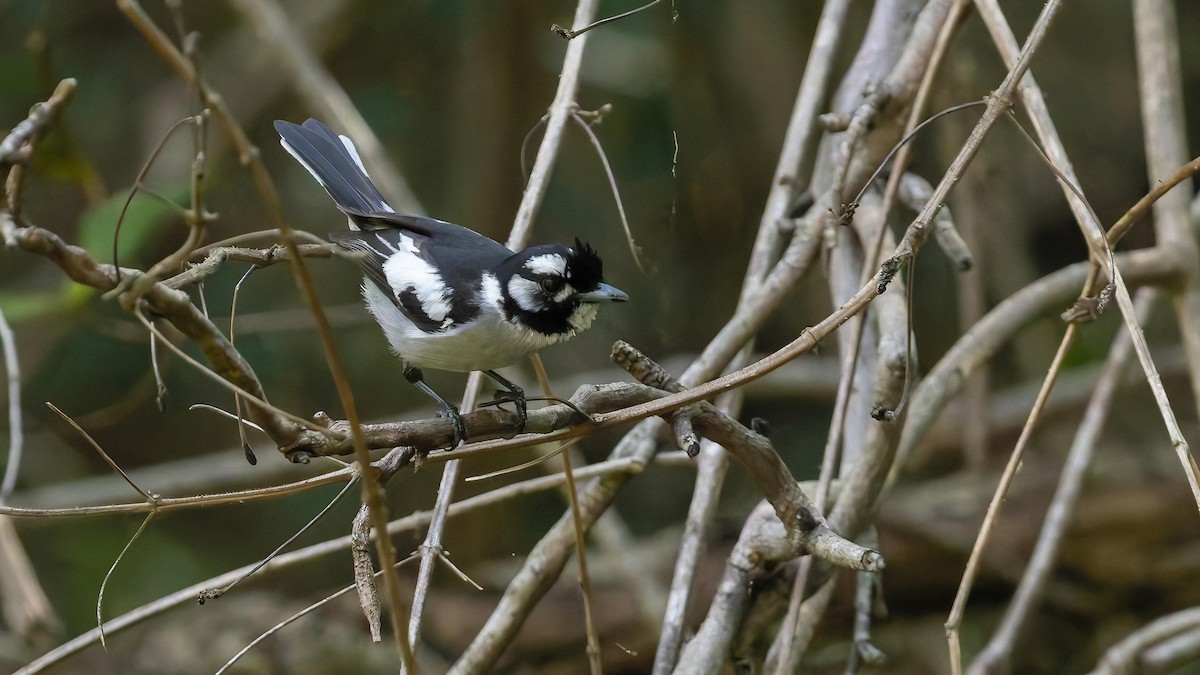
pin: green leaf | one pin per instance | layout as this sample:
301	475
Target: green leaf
21	306
30	305
147	220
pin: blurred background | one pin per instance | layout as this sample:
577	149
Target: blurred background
700	95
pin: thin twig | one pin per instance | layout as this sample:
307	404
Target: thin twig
293	618
108	575
214	593
585	582
571	34
1031	95
138	186
540	459
174	503
634	250
224	382
150	498
957	610
1165	131
431	547
287	560
160	385
237	400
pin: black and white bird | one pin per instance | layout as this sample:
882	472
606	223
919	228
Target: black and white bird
448	297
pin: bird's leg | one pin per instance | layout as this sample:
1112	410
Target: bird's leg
415	376
518	398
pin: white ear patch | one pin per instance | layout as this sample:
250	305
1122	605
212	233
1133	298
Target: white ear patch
526	293
547	263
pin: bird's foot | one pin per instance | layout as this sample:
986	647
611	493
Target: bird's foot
460	430
516	396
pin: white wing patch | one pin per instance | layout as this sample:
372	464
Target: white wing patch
405	271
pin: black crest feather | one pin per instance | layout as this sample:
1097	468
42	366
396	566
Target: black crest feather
585	269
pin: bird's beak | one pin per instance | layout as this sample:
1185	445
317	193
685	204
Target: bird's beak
603	293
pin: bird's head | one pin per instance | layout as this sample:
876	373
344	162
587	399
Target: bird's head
554	289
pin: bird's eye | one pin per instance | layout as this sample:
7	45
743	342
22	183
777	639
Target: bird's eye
550	284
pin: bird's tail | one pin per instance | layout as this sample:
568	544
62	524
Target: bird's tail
334	162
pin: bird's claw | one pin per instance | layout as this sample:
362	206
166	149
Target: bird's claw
516	395
460	430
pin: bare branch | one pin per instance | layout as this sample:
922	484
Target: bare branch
39	119
997	654
26	609
288	560
16	433
177	308
1125	656
561	110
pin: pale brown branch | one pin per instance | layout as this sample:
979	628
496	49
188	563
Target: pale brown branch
288	560
1164	126
802	521
561	110
177	308
16	432
1127	655
997	654
40	118
23	602
249	156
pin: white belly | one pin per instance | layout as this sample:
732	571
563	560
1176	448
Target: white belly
490	341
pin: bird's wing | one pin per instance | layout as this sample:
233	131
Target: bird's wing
435	283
